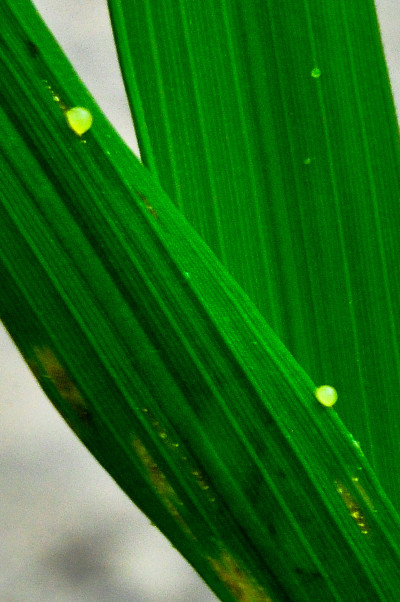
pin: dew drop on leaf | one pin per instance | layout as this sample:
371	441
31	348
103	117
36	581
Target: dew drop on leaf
326	395
79	120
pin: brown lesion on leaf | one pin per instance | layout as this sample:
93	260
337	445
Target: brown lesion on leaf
46	365
147	204
182	454
161	485
238	579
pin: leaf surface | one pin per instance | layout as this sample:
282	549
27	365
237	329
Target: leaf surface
161	364
272	126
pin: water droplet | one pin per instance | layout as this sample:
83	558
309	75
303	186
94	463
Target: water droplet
316	73
79	120
326	395
307	161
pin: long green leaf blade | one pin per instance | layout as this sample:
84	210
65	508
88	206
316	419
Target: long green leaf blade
162	366
272	126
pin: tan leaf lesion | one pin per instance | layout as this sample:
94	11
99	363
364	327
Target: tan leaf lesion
161	485
238	579
46	366
182	454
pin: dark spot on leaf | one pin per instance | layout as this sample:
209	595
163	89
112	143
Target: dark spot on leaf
33	49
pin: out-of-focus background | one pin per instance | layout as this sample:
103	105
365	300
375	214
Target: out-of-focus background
67	532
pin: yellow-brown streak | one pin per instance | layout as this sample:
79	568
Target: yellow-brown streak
160	483
353	508
238	580
51	368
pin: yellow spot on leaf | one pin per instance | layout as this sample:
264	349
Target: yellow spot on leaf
316	73
56	97
353	507
181	454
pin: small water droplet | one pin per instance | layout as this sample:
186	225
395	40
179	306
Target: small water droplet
316	73
307	161
79	120
326	395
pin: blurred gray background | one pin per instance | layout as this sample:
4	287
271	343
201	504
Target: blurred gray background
67	533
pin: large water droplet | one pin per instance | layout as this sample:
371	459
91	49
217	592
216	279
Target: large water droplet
79	120
326	395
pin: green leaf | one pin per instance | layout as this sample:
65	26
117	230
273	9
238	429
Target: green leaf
161	364
272	126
